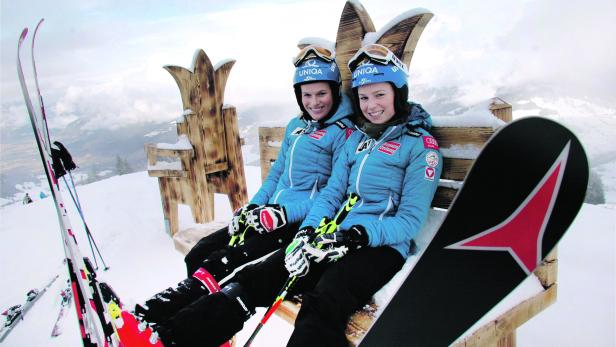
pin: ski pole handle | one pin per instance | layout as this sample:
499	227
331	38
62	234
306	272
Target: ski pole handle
326	226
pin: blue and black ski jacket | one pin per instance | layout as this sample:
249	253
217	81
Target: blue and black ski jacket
395	176
304	164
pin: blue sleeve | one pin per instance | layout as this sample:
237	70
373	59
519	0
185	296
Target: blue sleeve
332	196
417	194
298	210
269	185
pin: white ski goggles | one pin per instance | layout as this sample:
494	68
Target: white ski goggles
378	54
314	51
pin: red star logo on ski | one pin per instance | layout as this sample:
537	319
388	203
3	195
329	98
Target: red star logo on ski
528	222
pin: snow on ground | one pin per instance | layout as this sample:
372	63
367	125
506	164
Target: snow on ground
125	216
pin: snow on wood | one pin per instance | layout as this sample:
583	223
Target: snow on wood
450	184
461	151
321	42
166	165
223	62
475	116
373	38
182	144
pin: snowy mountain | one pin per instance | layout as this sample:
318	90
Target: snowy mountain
125	216
95	150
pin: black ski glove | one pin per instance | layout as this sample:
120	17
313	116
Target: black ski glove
332	247
267	218
295	260
238	221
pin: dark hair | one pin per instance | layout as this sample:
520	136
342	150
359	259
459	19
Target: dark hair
336	97
401	105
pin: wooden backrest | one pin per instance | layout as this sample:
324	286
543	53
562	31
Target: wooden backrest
454	169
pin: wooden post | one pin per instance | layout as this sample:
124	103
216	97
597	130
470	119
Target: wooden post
501	110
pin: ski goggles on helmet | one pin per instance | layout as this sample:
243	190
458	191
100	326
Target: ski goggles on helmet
377	54
314	64
314	51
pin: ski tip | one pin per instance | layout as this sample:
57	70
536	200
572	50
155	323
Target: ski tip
23	34
38	25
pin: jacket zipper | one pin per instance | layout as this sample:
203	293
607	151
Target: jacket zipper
291	161
390	204
291	164
363	161
314	188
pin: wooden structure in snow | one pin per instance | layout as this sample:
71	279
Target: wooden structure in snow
207	158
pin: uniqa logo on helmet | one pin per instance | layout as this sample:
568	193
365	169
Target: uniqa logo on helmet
310	71
365	69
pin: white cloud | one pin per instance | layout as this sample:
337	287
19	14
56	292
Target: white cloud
102	63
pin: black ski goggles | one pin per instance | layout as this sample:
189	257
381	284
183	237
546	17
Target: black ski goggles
313	51
377	54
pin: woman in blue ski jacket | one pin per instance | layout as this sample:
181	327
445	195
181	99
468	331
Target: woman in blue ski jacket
393	163
312	143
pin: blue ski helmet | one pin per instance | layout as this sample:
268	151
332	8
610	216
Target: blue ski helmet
374	64
315	69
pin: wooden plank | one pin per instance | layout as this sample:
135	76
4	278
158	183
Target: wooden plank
447	136
215	167
167	173
175	153
443	197
547	272
288	311
271	133
504	325
455	169
269	153
184	240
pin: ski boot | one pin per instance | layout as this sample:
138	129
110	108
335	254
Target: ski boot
170	301
131	331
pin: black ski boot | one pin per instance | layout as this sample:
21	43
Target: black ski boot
168	302
210	321
203	282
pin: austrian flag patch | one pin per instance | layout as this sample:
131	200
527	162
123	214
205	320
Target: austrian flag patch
429	173
318	134
430	142
389	147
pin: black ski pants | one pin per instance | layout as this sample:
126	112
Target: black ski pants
215	246
332	292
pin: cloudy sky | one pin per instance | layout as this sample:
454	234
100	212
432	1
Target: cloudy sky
103	60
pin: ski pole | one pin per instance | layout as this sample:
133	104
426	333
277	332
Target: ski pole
326	226
85	225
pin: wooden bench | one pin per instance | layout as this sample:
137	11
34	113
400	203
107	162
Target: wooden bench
499	331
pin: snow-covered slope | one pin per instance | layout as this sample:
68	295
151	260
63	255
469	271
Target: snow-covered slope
124	214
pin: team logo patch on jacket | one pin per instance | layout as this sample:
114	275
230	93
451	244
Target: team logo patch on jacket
298	131
432	159
348	132
389	147
364	145
318	134
430	142
429	173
